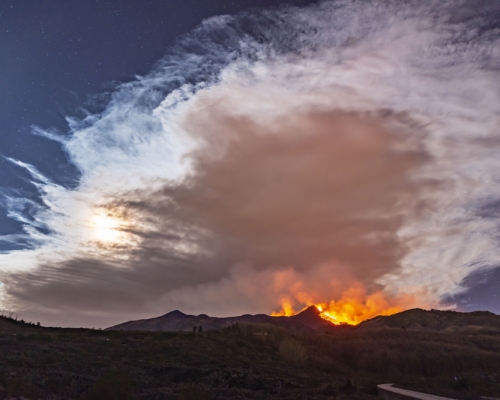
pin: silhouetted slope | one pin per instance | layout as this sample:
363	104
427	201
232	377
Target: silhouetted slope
435	320
310	317
307	320
11	325
177	321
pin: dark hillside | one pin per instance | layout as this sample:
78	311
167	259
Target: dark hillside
435	320
7	324
305	322
310	317
11	324
243	362
254	360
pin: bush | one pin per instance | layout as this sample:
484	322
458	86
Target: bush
113	385
293	350
193	393
461	384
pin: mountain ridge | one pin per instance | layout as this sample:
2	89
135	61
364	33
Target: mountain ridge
307	320
435	320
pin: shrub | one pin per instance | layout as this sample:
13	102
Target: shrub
293	350
113	385
193	393
461	384
13	386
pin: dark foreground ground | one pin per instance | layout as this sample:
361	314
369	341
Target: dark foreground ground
245	362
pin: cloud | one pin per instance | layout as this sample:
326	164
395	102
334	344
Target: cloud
346	150
301	191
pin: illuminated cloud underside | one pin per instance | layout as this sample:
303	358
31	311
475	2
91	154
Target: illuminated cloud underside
342	153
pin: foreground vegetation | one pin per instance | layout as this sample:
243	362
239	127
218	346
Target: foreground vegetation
247	361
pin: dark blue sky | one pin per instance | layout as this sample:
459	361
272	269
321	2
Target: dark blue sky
55	54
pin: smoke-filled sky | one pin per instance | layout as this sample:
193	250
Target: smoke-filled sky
231	158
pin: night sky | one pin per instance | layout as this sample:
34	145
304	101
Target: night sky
59	57
250	156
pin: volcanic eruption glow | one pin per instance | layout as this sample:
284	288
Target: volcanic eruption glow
355	306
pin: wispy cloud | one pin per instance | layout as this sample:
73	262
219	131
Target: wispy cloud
344	145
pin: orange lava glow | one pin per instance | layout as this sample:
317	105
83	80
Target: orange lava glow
354	306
